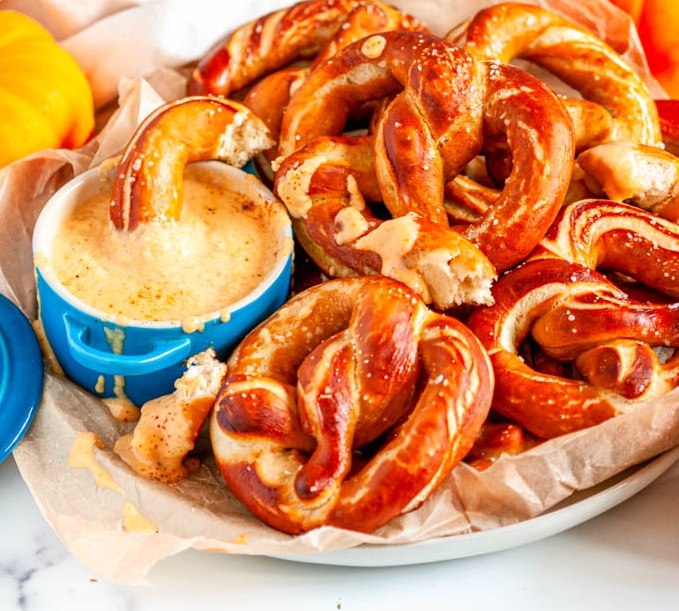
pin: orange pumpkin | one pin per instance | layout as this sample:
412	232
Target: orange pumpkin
45	99
658	25
659	33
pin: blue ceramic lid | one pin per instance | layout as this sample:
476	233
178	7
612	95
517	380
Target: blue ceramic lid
21	371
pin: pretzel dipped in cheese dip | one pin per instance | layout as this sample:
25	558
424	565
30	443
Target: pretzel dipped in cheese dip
581	319
164	213
348	406
324	186
446	107
159	447
149	182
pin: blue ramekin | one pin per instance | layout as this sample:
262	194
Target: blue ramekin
153	354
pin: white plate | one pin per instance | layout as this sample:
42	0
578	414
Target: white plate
578	508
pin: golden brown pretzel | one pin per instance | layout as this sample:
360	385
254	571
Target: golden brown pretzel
646	176
324	187
268	98
578	57
447	107
149	181
611	235
348	407
576	315
163	438
277	39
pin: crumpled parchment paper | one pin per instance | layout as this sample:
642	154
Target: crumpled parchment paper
135	54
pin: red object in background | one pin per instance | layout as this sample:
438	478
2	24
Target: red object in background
658	24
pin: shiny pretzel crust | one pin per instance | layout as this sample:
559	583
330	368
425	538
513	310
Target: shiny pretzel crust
324	185
445	102
149	182
349	364
576	315
302	30
578	57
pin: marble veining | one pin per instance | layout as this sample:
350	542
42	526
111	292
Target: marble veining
632	550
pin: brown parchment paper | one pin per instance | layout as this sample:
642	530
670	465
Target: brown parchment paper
200	512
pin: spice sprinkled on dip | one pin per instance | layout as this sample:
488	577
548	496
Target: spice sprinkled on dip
219	251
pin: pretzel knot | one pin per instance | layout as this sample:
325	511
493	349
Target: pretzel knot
446	108
575	55
611	345
348	406
263	57
304	30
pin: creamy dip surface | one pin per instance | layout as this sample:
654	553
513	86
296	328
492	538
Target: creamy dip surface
219	251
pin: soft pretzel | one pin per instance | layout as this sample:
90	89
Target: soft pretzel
610	235
149	181
169	425
447	107
646	176
277	39
324	186
571	52
579	317
269	97
348	407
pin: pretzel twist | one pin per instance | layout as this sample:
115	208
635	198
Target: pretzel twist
269	97
324	188
444	103
149	182
645	176
578	316
348	407
571	52
602	234
303	30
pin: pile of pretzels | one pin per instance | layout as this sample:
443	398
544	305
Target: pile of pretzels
500	262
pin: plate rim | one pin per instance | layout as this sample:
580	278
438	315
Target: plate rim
553	521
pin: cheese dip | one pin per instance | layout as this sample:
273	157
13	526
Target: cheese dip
222	247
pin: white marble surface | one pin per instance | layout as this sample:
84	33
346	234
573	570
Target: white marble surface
625	559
